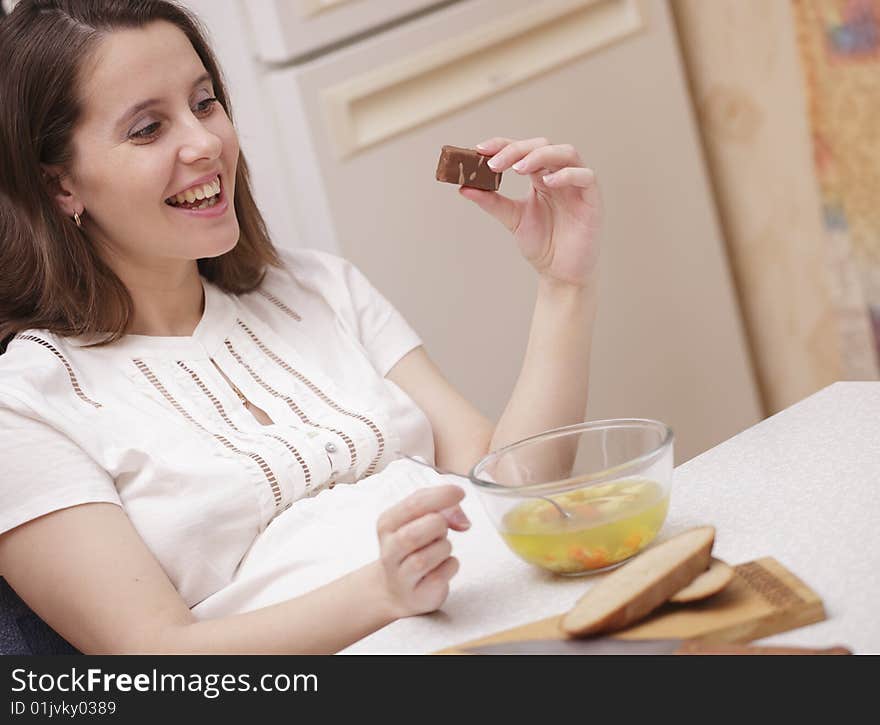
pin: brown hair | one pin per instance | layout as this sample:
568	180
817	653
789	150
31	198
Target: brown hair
51	277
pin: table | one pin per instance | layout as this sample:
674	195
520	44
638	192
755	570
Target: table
802	486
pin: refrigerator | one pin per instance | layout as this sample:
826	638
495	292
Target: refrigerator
343	107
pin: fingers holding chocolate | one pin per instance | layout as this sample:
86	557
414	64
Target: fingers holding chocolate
556	165
514	152
551	158
493	145
557	220
466	167
570	176
505	210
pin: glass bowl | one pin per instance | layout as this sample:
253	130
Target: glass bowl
580	499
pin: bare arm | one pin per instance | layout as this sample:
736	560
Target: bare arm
551	390
461	432
552	387
87	573
556	228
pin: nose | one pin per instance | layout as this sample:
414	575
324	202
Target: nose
198	142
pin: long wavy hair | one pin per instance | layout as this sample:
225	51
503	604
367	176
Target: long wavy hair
51	276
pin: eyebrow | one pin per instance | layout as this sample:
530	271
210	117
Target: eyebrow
138	107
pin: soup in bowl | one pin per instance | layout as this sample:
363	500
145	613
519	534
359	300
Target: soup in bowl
583	498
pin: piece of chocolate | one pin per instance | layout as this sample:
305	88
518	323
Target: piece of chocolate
466	167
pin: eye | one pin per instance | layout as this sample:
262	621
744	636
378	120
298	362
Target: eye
210	107
203	109
145	131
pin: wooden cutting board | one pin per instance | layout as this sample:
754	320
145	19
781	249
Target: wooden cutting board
763	598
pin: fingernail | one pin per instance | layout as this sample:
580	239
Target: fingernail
493	164
480	147
518	166
459	519
548	179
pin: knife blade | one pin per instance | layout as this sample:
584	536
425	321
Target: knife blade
613	646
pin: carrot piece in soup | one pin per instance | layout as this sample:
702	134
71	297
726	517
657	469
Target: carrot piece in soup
633	541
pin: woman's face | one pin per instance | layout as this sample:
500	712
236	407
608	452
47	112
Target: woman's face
128	161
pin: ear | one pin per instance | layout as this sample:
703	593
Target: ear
61	187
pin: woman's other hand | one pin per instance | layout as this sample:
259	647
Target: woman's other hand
415	550
557	224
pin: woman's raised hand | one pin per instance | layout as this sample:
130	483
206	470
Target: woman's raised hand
415	550
557	224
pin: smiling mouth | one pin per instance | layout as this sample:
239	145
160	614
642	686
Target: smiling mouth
210	193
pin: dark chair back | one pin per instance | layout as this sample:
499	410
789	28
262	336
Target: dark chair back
23	633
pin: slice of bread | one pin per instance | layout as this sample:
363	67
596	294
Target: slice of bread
710	582
642	584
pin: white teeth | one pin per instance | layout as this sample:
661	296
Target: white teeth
205	191
207	204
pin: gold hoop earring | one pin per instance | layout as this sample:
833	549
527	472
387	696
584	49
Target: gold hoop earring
77	220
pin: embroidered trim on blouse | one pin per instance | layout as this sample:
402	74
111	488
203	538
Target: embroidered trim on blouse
278	303
267	472
222	411
320	393
73	381
293	406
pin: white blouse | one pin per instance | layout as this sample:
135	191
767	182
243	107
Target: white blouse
150	424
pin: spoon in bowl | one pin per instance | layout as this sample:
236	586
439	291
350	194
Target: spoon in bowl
562	511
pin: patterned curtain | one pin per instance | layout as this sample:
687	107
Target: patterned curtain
839	43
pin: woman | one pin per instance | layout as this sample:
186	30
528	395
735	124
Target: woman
178	398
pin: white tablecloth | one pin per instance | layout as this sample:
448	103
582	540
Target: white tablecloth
802	486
